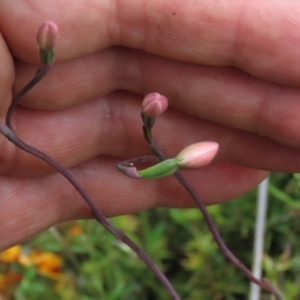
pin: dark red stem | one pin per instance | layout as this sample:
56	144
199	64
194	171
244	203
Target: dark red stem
7	131
210	223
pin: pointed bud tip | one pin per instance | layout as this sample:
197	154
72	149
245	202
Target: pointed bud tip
197	155
154	104
128	170
47	35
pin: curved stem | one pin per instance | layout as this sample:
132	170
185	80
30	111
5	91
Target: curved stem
210	223
41	72
6	131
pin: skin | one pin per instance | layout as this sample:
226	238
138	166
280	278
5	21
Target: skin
230	70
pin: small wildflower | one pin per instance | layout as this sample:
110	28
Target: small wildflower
10	255
75	230
24	260
47	264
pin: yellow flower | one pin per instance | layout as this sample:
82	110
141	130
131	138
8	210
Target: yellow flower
24	260
11	255
47	264
75	230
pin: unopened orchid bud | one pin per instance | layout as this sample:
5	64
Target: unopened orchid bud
47	36
154	104
163	169
197	155
194	156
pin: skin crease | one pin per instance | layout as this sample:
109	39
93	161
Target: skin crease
230	70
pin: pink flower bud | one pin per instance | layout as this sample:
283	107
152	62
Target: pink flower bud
197	155
47	35
154	104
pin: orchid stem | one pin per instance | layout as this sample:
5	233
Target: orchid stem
8	132
212	227
208	219
41	72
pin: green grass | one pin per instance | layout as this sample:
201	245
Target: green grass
96	266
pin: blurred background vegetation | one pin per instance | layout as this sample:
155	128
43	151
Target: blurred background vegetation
80	260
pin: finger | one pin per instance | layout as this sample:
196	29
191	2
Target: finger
224	95
70	83
111	125
31	205
236	33
6	77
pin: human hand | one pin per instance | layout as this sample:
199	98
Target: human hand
229	77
